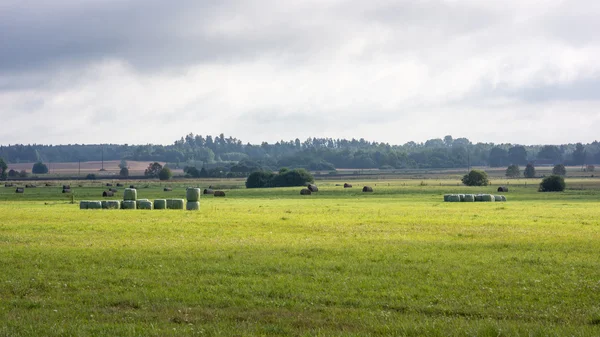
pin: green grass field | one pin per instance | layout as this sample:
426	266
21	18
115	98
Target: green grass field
269	262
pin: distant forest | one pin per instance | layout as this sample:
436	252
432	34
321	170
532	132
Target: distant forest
316	154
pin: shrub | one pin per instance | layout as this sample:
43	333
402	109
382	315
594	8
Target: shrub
23	174
39	168
553	183
259	179
90	176
559	170
153	170
165	174
286	177
124	172
529	171
475	178
513	171
13	173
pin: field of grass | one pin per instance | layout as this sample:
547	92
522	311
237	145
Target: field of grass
270	262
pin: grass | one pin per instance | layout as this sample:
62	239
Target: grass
271	262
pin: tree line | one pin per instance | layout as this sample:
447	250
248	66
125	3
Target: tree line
316	154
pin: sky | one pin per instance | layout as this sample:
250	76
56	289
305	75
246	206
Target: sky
152	71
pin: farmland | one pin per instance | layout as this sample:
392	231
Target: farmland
398	261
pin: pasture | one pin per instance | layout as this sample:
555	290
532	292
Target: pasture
271	262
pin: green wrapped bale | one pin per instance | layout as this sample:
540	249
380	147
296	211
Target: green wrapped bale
469	198
94	205
478	197
454	198
446	196
192	194
487	198
461	197
137	202
160	204
130	194
83	204
192	205
503	198
128	204
498	198
175	203
111	204
144	204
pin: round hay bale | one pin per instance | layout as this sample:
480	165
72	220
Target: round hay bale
144	204
128	204
192	194
469	198
367	189
94	205
66	190
20	190
219	194
108	185
119	185
461	197
497	198
137	202
487	197
111	204
160	204
192	205
313	187
130	194
66	187
83	204
305	191
208	191
454	198
107	194
175	203
446	196
346	185
167	189
502	189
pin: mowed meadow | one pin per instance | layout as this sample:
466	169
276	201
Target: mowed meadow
270	262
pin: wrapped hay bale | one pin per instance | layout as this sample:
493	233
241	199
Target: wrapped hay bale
313	187
487	197
497	198
502	189
20	190
454	198
119	185
111	204
137	202
175	203
83	204
346	185
461	197
219	194
469	198
128	204
446	196
305	191
130	194
94	205
167	189
208	191
160	204
479	197
192	194
144	204
108	194
192	205
503	198
367	189
66	190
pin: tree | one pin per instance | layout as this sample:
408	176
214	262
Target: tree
550	152
13	173
90	176
579	154
191	171
123	164
259	179
529	171
124	172
165	174
513	171
3	168
203	173
498	157
517	155
39	168
559	170
153	170
23	174
552	183
476	178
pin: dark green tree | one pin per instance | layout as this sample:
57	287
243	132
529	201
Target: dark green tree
559	170
529	171
3	168
552	183
550	152
153	170
165	174
203	173
39	168
513	171
124	172
13	173
475	178
579	154
498	157
517	155
259	179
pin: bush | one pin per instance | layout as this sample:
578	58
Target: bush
165	174
286	177
153	170
90	176
13	173
559	170
529	171
553	183
23	174
39	168
476	178
124	172
259	179
513	171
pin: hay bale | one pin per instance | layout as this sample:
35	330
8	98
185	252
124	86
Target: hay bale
108	185
160	204
175	203
114	190
454	198
66	187
66	190
208	191
137	202
502	189
498	198
107	194
131	186
446	197
167	189
487	198
111	204
461	197
192	194
469	198
83	204
192	205
130	194
144	204
94	205
346	185
503	198
30	186
313	187
20	190
128	204
119	185
219	194
367	189
305	191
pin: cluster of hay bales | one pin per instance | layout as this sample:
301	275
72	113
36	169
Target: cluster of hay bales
473	198
193	199
312	187
131	201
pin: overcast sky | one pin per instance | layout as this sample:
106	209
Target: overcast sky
150	71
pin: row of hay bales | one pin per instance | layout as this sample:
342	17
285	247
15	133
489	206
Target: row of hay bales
131	201
311	188
474	198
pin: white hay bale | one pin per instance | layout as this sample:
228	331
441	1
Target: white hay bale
192	194
144	204
160	204
487	198
139	201
175	203
462	197
454	198
83	204
446	196
497	198
130	194
128	204
111	204
469	198
503	198
192	205
94	205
